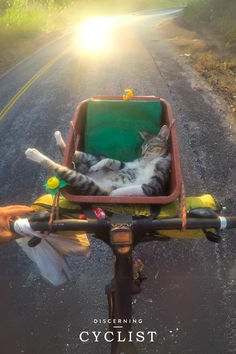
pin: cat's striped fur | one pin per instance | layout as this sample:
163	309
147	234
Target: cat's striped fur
147	175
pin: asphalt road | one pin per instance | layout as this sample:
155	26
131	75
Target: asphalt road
189	296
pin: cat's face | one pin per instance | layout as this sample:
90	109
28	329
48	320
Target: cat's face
154	145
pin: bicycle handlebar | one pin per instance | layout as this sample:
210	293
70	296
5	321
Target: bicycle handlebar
144	225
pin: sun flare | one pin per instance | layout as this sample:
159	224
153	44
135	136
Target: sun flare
95	34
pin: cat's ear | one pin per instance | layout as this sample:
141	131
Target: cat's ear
164	132
144	135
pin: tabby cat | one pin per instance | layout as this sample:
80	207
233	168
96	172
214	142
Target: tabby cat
145	176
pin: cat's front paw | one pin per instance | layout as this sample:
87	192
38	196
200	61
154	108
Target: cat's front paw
35	155
59	139
60	142
94	168
100	165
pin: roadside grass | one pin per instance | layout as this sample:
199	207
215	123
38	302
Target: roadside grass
219	71
215	21
206	52
21	21
216	15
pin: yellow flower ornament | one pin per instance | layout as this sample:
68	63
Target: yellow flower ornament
54	184
128	94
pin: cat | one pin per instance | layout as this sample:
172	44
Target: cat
96	175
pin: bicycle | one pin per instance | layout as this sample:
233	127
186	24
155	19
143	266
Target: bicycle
122	234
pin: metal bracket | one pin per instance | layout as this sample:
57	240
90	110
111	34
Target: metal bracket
121	236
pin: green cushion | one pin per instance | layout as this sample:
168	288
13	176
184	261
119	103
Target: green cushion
112	127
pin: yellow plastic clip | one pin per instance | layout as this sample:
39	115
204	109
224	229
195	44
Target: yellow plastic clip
128	94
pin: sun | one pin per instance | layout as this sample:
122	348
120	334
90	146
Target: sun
94	34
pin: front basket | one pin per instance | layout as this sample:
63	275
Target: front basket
76	141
